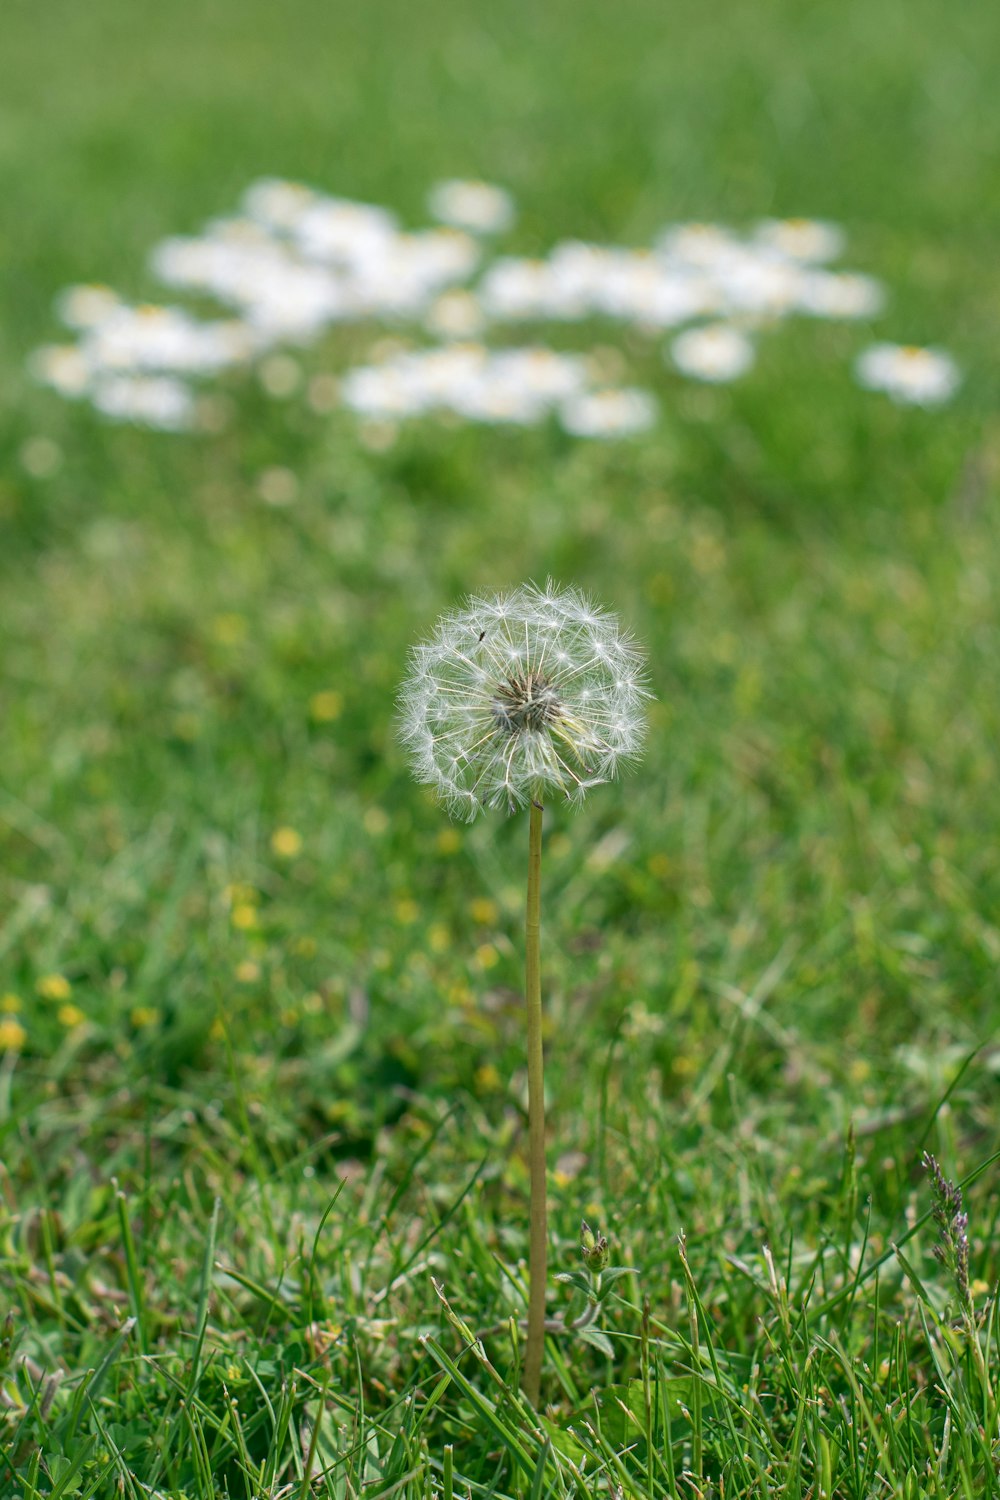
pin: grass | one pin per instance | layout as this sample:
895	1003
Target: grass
264	1168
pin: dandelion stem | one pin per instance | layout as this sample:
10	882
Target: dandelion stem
538	1233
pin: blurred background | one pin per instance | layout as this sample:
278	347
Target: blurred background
208	837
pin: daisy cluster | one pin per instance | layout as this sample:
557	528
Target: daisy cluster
294	263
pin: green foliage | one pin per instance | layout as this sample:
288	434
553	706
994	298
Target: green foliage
270	1085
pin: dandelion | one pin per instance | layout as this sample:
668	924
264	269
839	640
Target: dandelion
522	695
911	376
518	697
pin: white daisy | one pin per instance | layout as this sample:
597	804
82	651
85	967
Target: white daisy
455	315
157	401
843	294
168	339
277	204
758	283
85	306
478	207
716	352
340	232
705	246
910	375
517	289
63	367
806	240
608	414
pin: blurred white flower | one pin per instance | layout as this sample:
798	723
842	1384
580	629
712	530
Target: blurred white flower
63	367
706	246
404	276
341	232
517	288
758	284
168	339
521	695
806	240
455	315
840	294
502	386
910	375
157	401
717	353
608	414
83	306
477	206
277	204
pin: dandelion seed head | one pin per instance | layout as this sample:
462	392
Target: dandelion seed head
528	694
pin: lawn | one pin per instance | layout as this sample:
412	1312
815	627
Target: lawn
263	1141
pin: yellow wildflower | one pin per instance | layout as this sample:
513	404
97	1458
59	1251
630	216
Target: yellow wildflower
376	821
53	987
286	843
326	706
12	1035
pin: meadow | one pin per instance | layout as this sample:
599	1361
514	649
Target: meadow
263	1176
